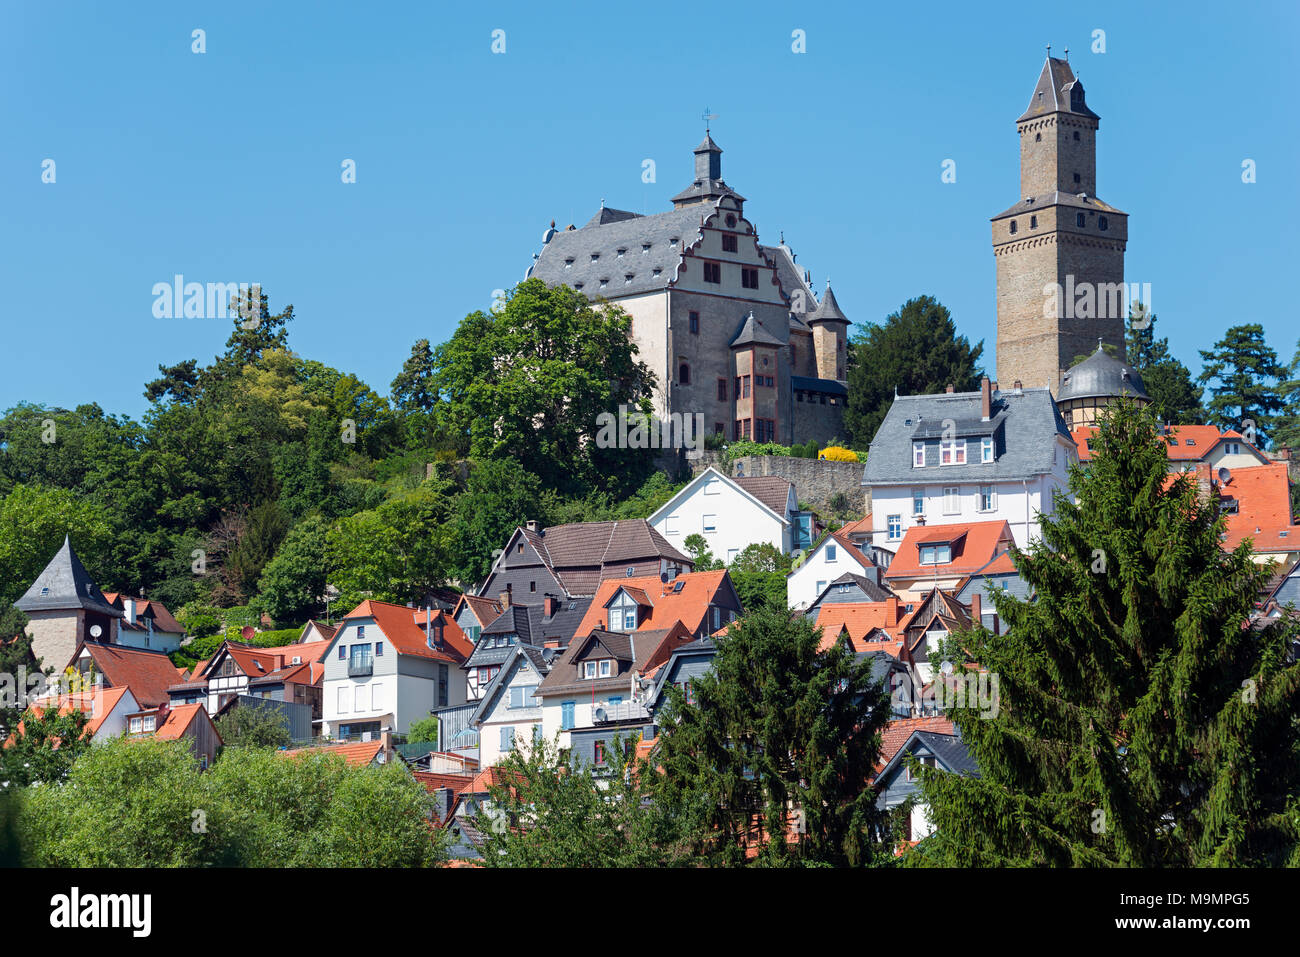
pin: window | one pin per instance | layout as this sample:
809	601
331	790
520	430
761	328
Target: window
722	392
749	278
918	455
1013	225
1038	137
343	652
728	242
744	386
988	498
1103	223
939	554
830	553
588	669
695	322
604	667
629	620
507	738
918	501
343	701
713	272
1033	222
717	618
442	686
895	525
986	449
1076	135
821	586
1079	219
765	430
379	649
598	754
1232	448
952	452
710	523
361	632
951	499
712	487
1076	178
377	697
566	715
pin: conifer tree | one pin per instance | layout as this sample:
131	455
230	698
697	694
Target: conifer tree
774	751
1142	719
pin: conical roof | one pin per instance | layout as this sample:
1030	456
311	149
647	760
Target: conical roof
1058	90
63	584
751	333
828	310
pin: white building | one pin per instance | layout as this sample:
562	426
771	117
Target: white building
835	556
509	715
967	457
731	514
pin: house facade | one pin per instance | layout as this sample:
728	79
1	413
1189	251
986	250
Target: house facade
388	666
509	713
831	559
731	514
967	457
942	556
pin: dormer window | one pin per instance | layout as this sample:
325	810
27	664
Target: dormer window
621	252
645	247
939	553
918	455
986	449
595	257
952	452
568	263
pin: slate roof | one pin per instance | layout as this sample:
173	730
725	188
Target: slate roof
828	310
872	589
1028	425
791	278
162	618
604	235
541	664
1057	91
751	332
803	383
1101	375
65	584
635	654
1035	204
700	648
533	627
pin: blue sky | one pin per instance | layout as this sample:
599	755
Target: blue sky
226	166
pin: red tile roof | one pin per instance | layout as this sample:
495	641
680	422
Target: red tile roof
1263	497
147	673
860	619
358	753
690	605
861	527
975	544
402	627
97	704
178	720
1203	437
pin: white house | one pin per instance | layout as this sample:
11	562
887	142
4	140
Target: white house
388	666
731	513
509	715
834	556
967	457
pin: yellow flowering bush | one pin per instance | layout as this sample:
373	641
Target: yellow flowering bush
837	453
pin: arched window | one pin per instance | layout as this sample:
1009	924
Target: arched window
684	373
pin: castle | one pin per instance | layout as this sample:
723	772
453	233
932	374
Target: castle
1059	250
730	327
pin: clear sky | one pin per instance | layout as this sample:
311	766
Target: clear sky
226	166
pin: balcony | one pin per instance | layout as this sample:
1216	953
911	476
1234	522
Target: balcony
360	667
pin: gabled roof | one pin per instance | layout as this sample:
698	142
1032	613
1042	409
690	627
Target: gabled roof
357	754
688	604
1057	91
873	590
146	672
949	750
65	583
767	492
1183	443
485	609
97	705
539	662
700	648
1263	497
162	618
402	627
863	622
636	653
975	544
179	718
1027	428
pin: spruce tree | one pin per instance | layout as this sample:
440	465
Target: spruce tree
1247	373
773	753
1143	720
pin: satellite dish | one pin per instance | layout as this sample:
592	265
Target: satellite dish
599	714
1225	476
663	577
946	667
96	631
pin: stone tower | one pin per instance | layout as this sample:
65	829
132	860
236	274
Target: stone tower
1059	251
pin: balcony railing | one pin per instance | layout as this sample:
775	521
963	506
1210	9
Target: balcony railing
360	667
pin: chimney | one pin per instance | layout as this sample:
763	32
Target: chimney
986	399
551	605
950	389
551	643
531	524
444	800
976	610
128	607
891	610
505	597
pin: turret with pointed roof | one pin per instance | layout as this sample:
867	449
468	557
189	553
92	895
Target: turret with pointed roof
708	186
830	336
65	608
1057	236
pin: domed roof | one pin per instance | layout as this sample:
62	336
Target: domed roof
1101	375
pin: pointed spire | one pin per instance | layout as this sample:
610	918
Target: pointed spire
65	584
828	310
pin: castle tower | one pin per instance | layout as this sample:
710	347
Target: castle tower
830	333
1059	252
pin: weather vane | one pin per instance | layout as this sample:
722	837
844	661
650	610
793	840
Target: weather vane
706	116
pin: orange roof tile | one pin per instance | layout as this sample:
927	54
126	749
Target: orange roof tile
357	754
975	544
1203	437
860	619
147	673
178	720
896	733
689	606
1263	508
402	627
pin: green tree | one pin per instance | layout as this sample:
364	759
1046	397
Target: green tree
378	817
1288	424
1175	398
254	726
1139	721
33	524
779	725
414	389
698	549
548	811
16	659
499	496
531	380
48	745
916	351
1243	372
424	730
294	580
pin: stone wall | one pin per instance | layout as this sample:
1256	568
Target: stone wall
815	481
